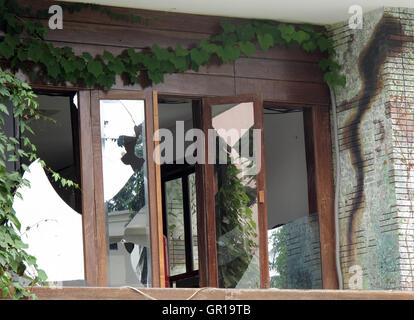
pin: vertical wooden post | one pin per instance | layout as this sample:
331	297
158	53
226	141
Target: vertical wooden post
161	253
100	215
325	194
87	188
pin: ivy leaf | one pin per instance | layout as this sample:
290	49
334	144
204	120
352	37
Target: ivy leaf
301	36
246	32
87	56
265	41
324	44
199	56
8	46
156	76
309	46
35	51
108	56
68	66
95	67
180	63
161	54
227	27
247	48
116	66
180	52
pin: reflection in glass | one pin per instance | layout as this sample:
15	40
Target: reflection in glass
50	212
193	212
175	220
295	255
51	228
235	198
125	191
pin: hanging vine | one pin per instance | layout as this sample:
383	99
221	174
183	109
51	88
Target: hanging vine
24	47
14	260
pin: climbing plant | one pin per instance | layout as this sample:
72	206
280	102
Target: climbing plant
14	260
23	47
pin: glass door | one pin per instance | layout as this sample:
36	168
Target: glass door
235	192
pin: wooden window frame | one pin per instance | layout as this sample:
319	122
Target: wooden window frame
182	174
258	111
94	217
319	163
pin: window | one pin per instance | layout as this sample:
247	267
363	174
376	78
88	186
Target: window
50	213
180	227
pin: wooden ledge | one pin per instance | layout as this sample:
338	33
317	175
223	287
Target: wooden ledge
95	293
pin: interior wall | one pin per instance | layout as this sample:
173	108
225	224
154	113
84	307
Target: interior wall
286	174
169	114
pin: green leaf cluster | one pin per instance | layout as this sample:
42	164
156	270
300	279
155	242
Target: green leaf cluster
14	260
41	60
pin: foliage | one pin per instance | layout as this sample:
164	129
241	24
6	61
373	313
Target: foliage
278	258
23	47
14	260
236	228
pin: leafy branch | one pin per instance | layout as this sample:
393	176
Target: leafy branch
14	260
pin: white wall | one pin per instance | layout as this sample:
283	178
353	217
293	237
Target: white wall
286	175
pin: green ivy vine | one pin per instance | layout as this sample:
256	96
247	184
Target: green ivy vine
14	260
23	47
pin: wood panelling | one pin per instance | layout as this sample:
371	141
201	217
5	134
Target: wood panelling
278	70
300	93
282	74
102	34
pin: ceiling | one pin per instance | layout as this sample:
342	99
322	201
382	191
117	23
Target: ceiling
302	11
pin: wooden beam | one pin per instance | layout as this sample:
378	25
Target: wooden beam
325	194
45	293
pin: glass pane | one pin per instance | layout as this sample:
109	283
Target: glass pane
125	192
236	197
193	211
50	213
175	220
295	255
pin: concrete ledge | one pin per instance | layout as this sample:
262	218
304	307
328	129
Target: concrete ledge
94	293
